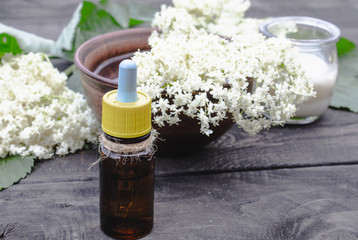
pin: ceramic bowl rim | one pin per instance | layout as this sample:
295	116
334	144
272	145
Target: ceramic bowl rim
96	39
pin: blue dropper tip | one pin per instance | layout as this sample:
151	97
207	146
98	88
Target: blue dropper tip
127	82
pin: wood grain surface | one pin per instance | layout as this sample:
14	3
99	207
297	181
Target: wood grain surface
303	203
332	140
289	183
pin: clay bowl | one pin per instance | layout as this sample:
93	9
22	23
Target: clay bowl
98	60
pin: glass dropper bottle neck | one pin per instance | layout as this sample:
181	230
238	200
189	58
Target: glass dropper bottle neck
127	140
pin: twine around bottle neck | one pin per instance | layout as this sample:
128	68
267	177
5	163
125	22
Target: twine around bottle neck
126	152
125	149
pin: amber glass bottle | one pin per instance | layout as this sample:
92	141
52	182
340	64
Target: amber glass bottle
127	193
126	163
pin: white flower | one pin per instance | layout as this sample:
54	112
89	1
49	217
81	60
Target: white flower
39	115
205	76
224	17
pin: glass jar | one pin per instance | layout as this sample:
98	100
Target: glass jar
316	42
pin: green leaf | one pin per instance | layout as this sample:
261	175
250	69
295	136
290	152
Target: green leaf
120	12
131	14
65	41
14	168
345	93
142	12
8	44
134	22
344	46
92	19
73	82
29	42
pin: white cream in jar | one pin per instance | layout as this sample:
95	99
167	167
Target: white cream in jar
324	78
315	40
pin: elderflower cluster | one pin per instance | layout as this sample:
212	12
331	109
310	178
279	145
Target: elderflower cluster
39	115
223	17
189	71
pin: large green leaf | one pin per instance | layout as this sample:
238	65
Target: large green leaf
92	19
14	168
93	22
346	90
8	44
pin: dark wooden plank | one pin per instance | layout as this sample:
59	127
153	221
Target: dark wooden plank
307	203
312	203
331	140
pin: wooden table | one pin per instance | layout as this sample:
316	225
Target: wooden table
294	182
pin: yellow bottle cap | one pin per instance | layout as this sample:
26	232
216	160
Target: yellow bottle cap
126	120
